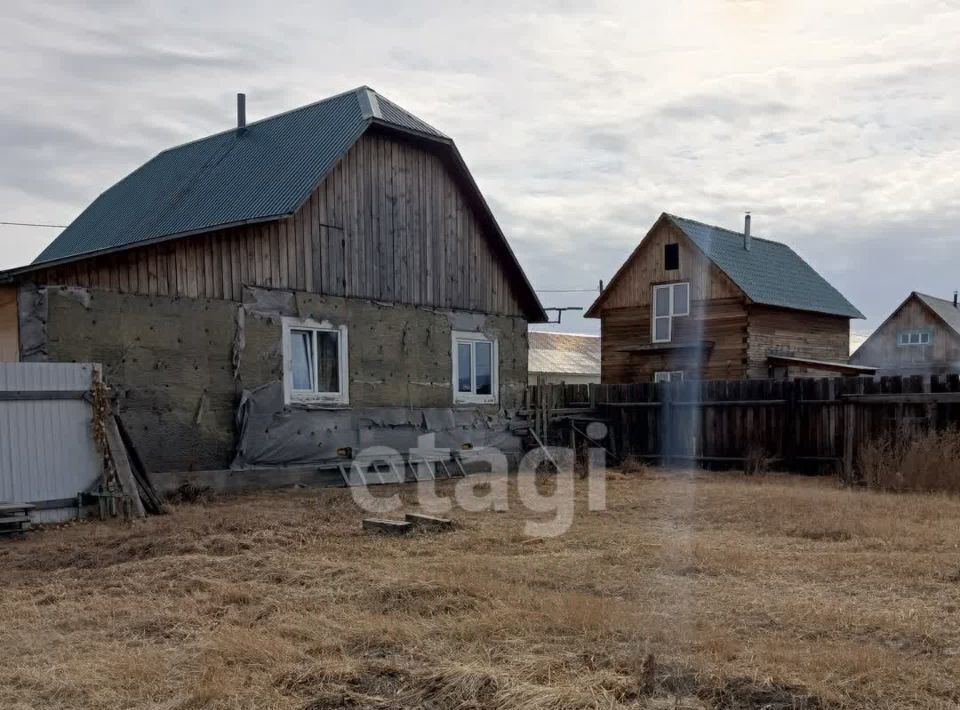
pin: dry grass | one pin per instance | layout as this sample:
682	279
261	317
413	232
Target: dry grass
913	461
690	591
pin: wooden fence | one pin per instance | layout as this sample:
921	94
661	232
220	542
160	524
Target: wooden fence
800	424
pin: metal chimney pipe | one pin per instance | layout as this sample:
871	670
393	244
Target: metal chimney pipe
746	231
954	299
241	111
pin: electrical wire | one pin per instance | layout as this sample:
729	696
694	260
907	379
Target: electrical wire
33	224
568	290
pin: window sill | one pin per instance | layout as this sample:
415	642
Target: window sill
474	400
318	403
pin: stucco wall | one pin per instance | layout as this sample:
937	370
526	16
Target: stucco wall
171	360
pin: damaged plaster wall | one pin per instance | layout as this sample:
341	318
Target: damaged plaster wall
400	367
32	313
399	354
169	361
180	366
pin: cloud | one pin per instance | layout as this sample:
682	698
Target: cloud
836	125
725	108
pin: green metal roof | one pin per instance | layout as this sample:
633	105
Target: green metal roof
259	173
262	172
769	272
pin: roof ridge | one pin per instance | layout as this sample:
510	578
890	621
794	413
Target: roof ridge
266	118
935	298
401	109
729	231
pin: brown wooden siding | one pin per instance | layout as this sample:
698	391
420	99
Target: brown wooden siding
717	315
722	322
9	325
881	350
389	223
738	336
646	267
796	333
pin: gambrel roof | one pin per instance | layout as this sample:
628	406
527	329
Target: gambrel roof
769	273
259	173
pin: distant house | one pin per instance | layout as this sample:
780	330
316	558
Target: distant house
920	337
697	301
286	291
573	358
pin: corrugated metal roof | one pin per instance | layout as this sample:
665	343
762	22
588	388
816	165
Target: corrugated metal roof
262	172
769	272
563	353
945	309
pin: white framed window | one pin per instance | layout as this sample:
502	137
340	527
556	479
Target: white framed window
669	302
314	362
913	337
476	364
668	376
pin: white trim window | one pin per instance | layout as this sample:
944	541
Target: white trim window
314	362
906	338
669	301
476	365
668	376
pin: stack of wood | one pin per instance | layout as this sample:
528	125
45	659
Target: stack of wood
14	517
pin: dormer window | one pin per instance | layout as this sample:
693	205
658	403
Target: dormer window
669	301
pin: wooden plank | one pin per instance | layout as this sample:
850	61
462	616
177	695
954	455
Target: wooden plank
236	265
205	245
429	522
274	256
910	398
118	453
387	527
226	265
8	508
311	235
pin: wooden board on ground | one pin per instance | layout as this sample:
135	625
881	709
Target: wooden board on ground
387	527
429	522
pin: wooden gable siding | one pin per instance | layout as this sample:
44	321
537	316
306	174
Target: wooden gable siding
633	286
717	314
881	350
389	223
816	336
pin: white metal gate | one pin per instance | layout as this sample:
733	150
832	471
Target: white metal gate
47	453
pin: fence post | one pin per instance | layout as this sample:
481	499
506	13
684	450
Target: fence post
666	421
849	437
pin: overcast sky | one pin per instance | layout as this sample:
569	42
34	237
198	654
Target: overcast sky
836	124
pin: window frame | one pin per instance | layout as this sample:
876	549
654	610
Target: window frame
671	314
667	376
292	396
460	336
905	337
